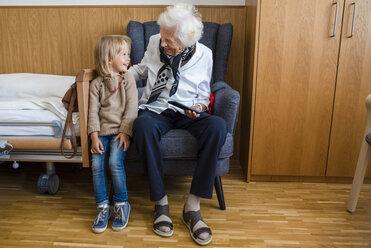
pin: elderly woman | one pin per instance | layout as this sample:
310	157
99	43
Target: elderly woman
178	68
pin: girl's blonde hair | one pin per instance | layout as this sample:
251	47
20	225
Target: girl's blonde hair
106	48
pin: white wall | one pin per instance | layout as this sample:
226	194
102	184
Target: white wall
117	2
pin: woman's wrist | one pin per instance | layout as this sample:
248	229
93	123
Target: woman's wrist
199	105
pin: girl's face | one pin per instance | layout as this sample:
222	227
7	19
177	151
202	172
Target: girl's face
120	61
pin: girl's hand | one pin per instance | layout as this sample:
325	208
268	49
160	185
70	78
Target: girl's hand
96	144
124	139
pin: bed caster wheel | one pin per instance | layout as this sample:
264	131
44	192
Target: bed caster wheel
15	165
42	183
48	184
53	184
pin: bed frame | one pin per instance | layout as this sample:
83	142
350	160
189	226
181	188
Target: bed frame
48	150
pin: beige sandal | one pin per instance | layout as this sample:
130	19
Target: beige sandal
162	210
190	219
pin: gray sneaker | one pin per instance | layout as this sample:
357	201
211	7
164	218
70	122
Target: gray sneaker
101	220
122	213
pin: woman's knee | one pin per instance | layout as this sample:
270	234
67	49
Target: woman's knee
143	125
217	125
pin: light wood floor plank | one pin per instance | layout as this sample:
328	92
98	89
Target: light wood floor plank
259	214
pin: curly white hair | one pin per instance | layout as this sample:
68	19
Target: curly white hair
186	20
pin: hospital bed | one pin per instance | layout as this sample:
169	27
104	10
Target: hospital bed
32	118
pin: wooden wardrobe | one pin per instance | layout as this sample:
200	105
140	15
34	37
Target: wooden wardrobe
311	75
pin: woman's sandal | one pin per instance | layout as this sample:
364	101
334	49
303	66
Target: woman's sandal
162	210
190	219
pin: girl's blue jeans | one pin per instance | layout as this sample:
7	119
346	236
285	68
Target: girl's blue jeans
115	158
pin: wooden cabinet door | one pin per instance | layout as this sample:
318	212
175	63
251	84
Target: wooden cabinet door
295	83
353	85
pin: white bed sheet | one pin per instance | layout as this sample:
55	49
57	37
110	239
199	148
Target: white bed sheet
36	122
32	98
16	86
52	104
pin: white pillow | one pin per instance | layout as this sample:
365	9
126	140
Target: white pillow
30	85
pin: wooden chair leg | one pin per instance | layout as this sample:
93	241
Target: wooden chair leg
219	192
358	176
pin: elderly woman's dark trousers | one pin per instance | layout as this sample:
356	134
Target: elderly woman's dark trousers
211	132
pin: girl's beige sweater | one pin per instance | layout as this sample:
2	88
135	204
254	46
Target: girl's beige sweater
112	112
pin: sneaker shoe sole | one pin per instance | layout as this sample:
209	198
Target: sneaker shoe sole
99	230
102	229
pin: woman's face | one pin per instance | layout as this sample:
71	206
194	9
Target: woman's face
171	45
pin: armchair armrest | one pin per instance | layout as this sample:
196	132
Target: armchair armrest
226	104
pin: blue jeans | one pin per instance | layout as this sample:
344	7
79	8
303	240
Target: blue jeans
115	157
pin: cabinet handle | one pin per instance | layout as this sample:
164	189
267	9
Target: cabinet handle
336	19
353	21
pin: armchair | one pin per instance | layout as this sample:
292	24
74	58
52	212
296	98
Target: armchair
178	147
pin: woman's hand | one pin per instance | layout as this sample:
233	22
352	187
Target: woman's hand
193	115
124	139
96	144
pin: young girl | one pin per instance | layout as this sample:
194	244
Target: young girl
113	107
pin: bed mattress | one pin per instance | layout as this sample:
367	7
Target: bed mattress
30	105
36	122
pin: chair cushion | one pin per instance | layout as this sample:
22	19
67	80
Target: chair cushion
136	33
209	38
180	144
223	45
185	167
150	28
210	34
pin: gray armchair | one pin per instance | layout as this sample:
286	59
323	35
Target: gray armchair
179	148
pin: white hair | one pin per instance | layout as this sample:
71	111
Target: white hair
186	20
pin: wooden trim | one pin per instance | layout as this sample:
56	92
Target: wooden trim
324	179
83	79
114	6
86	75
39	144
253	93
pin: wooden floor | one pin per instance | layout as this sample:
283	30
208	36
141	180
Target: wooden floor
258	214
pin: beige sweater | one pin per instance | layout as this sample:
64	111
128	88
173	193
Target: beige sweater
112	113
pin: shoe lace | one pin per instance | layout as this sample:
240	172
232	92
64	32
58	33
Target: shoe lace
119	213
102	212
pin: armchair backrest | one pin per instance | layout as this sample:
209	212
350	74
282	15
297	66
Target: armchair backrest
217	37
